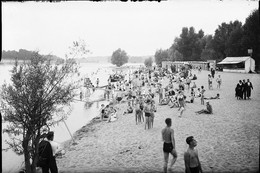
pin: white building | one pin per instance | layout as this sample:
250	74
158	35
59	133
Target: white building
238	64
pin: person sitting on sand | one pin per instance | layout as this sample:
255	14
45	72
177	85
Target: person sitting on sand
208	109
165	101
198	94
106	112
192	96
102	111
193	85
112	114
173	102
194	77
191	158
129	109
210	98
119	96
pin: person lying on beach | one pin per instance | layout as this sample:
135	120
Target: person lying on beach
129	109
210	98
191	158
208	109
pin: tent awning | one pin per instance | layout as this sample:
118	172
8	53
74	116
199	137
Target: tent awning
231	62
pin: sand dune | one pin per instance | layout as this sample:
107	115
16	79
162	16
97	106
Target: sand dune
228	140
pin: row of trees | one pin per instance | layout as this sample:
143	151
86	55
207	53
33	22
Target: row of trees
230	39
24	54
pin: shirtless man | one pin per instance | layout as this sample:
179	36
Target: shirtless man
169	144
191	158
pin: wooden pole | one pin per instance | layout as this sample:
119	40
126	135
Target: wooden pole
69	131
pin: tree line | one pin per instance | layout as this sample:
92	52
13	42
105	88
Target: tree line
230	39
23	54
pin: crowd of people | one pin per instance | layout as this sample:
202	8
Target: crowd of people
141	90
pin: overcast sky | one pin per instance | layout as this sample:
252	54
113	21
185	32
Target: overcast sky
139	28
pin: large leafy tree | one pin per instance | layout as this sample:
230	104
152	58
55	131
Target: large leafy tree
221	41
161	55
148	62
189	45
33	102
251	39
119	57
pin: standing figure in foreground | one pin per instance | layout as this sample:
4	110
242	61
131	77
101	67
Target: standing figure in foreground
48	151
169	144
191	157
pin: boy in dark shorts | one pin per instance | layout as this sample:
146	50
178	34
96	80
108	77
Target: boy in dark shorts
191	158
169	144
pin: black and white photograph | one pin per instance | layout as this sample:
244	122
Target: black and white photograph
130	87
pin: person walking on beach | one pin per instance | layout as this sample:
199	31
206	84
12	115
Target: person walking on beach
191	157
168	145
181	101
238	89
244	89
249	87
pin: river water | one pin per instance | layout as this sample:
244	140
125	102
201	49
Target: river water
80	115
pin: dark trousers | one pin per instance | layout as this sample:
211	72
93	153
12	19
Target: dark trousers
248	93
52	166
244	94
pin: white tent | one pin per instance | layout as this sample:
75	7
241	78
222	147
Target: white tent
238	64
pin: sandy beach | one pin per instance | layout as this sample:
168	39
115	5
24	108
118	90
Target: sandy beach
228	140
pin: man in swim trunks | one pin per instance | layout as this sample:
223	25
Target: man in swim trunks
191	158
169	144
